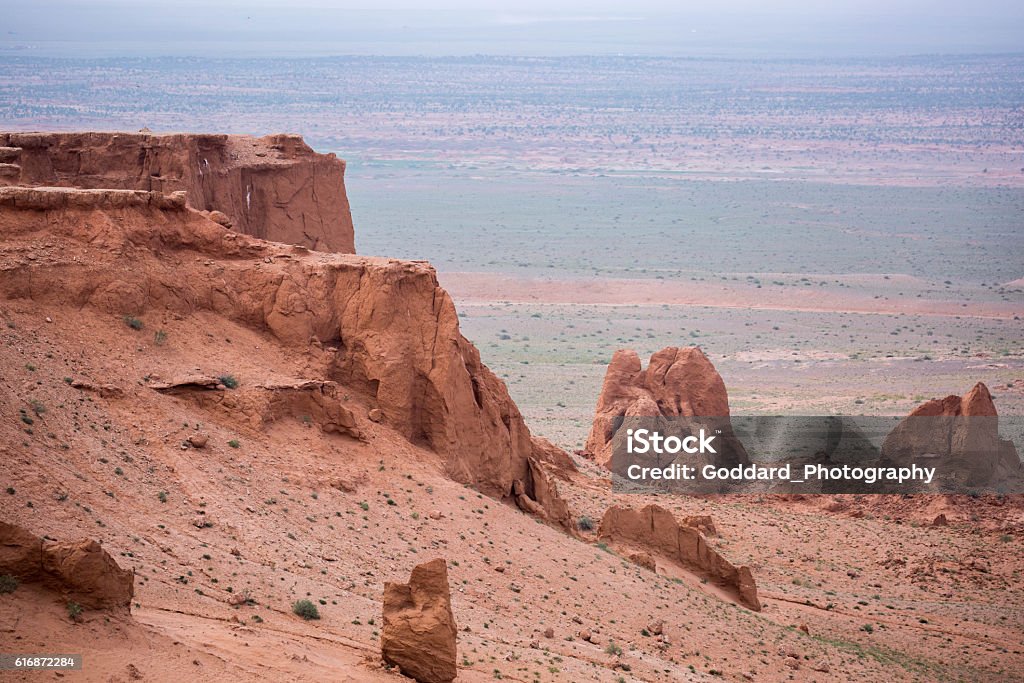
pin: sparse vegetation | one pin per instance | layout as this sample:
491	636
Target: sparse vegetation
133	322
584	523
229	381
306	609
74	611
8	583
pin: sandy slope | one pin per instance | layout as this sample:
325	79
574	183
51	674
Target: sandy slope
289	501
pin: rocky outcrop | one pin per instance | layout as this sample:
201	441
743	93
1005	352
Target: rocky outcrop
79	570
538	493
960	436
274	187
678	383
381	328
314	402
419	633
652	530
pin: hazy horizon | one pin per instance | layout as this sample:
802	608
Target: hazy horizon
736	28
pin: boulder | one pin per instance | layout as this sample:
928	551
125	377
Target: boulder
79	570
88	574
645	560
419	630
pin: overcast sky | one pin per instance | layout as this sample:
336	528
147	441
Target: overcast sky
798	28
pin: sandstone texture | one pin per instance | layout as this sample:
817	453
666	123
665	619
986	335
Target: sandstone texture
677	383
383	329
274	187
653	530
959	435
419	628
81	571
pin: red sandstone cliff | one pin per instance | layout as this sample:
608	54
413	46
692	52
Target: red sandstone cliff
382	329
275	187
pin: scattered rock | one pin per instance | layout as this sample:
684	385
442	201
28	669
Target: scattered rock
220	218
186	383
375	415
645	560
656	628
198	440
104	390
940	520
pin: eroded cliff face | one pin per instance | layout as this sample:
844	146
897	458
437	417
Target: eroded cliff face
274	187
381	329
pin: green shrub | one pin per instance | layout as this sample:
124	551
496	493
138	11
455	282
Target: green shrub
585	523
8	584
234	443
229	381
306	609
133	322
74	611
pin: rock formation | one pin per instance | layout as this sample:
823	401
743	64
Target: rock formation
538	492
678	382
381	328
317	402
419	628
274	187
79	570
652	530
959	435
